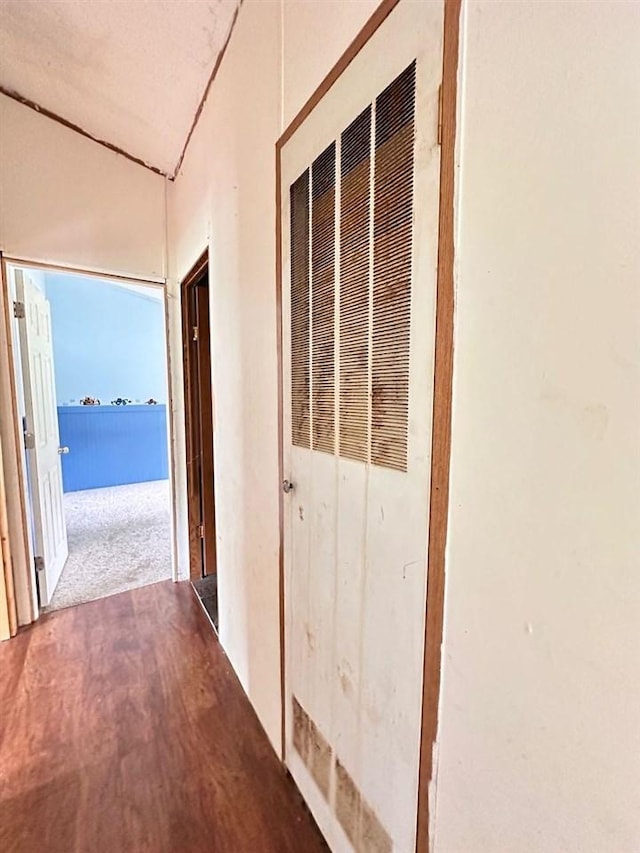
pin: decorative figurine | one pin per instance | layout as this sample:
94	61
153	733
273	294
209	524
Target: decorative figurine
90	401
121	401
151	402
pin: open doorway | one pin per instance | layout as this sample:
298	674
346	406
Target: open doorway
199	420
90	367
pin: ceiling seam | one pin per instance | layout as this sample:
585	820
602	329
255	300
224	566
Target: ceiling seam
205	94
47	113
38	108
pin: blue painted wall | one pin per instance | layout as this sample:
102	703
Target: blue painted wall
108	341
112	445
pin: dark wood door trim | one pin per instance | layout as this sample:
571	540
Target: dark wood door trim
207	491
197	269
198	412
281	438
441	430
441	439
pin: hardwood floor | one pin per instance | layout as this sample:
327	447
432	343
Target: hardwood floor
123	728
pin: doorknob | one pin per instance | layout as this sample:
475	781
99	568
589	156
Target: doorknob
63	451
287	487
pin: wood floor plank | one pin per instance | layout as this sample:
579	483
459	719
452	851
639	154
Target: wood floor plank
123	728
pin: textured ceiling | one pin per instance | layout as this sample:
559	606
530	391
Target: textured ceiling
129	72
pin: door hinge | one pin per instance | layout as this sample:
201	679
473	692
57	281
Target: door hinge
440	114
195	333
39	561
18	310
29	441
201	531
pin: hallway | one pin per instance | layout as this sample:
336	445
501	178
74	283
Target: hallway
124	729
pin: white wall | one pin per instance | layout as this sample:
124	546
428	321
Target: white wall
316	34
540	711
66	200
225	193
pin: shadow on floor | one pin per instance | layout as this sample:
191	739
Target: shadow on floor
207	590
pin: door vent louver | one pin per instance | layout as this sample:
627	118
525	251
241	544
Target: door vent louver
300	413
323	295
392	250
355	241
375	246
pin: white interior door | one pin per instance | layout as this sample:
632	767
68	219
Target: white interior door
42	440
360	190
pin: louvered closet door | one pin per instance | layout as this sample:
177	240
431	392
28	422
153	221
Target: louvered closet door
360	189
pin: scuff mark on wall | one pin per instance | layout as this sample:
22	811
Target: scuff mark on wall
408	566
311	639
312	747
358	820
345	675
591	418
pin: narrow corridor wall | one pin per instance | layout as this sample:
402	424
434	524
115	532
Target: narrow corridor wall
540	708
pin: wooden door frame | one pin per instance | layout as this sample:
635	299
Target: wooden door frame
13	452
14	462
443	376
197	380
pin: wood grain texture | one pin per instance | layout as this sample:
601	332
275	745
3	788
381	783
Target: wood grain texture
441	435
123	729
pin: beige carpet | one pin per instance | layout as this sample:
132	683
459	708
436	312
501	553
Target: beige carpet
119	539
